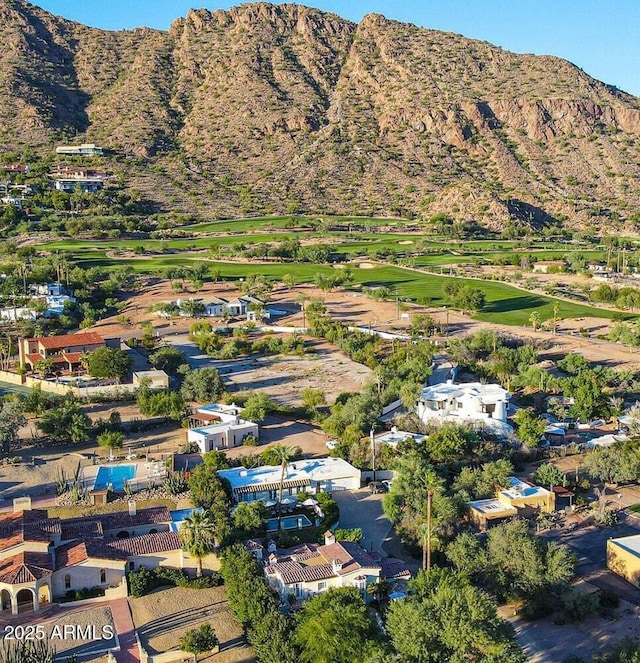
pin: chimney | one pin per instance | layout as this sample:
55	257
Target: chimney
329	537
132	508
337	565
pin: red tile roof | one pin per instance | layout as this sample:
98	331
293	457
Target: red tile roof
68	340
25	567
156	515
85	529
21	526
148	543
79	551
291	567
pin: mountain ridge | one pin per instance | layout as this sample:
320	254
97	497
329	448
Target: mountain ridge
269	108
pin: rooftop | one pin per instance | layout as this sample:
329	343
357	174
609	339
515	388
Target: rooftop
21	526
491	506
25	567
68	340
394	436
629	543
487	393
313	469
521	488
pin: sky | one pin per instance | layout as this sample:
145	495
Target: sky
599	36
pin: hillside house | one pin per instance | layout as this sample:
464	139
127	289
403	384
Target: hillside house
479	405
312	475
219	426
84	149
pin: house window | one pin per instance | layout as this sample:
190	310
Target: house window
297	590
322	586
459	405
103	576
132	566
67	582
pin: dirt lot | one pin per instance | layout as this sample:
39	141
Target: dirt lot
546	642
164	615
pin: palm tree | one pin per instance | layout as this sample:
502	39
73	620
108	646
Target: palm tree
198	536
283	455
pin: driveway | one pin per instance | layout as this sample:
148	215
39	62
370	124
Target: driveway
360	508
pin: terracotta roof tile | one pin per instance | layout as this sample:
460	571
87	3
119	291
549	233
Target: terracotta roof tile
21	526
68	340
157	515
148	543
25	567
85	529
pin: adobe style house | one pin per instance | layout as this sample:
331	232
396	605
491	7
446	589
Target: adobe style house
310	569
473	403
66	351
43	558
519	499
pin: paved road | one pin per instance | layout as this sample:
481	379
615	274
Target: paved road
360	508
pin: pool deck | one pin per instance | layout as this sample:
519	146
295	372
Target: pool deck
144	472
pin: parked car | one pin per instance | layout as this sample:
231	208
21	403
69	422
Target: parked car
332	444
387	483
377	487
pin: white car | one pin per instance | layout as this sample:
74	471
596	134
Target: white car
332	444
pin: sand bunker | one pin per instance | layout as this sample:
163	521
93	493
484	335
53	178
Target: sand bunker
366	265
405	241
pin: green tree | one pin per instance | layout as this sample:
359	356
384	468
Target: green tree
448	619
11	420
199	640
335	627
209	491
283	454
162	404
469	299
312	398
108	363
67	423
111	439
203	385
167	359
249	519
198	536
549	474
257	406
530	427
450	442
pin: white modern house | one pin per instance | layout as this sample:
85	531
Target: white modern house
219	426
479	405
312	475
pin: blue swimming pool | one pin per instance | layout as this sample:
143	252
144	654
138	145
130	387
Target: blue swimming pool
115	475
178	516
288	522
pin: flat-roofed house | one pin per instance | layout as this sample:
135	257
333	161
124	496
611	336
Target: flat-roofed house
623	557
473	403
313	475
84	149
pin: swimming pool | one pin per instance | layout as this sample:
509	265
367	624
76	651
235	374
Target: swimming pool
116	475
178	516
288	522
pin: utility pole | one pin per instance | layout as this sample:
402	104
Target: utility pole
373	451
427	563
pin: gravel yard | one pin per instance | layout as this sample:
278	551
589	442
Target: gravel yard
164	615
79	623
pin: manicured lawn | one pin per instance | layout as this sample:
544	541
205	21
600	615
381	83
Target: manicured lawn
634	507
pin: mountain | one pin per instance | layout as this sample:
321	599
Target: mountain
281	108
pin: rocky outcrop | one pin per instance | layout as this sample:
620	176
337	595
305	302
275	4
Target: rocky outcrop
268	108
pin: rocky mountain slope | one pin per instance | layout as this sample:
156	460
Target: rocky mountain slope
280	108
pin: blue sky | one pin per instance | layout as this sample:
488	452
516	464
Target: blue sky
600	36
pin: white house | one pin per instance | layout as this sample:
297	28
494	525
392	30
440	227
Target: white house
394	436
216	307
473	403
13	314
223	435
312	475
311	569
158	379
85	149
